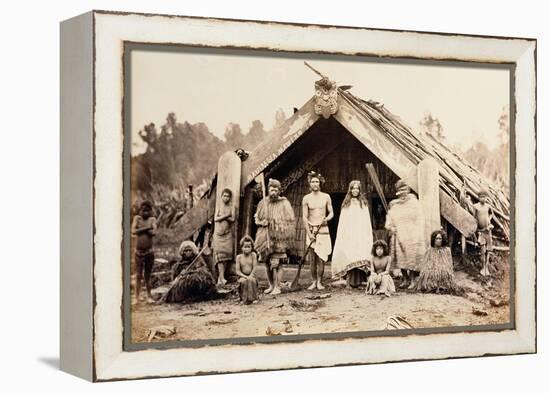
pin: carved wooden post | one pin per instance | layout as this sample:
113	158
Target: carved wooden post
229	177
428	194
247	211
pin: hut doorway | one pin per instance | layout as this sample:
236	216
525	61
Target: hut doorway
333	151
337	199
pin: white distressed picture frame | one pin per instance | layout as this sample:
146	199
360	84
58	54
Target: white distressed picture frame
92	195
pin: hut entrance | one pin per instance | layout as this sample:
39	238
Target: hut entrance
337	199
331	150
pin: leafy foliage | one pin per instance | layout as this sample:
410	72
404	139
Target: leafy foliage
494	164
180	154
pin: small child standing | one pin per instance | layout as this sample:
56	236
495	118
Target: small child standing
380	280
144	227
246	267
483	215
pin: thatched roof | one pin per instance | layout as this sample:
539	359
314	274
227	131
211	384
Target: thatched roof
397	145
455	172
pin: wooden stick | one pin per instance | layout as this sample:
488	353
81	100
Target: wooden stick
182	273
313	69
377	186
294	283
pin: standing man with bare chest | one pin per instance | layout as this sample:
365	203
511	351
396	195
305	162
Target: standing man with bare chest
316	213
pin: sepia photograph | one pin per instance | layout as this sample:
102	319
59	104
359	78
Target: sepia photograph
287	196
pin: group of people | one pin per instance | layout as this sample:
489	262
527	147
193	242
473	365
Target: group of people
357	257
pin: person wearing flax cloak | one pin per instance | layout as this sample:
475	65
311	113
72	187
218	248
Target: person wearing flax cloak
405	221
276	230
352	250
437	270
191	277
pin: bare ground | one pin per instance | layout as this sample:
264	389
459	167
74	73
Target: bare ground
342	310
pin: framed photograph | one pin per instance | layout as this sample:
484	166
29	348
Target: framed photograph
249	195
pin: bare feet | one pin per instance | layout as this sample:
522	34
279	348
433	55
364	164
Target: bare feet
268	290
312	286
320	286
485	271
404	284
276	291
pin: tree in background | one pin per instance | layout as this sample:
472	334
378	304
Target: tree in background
432	126
178	155
181	154
494	164
256	134
234	137
280	118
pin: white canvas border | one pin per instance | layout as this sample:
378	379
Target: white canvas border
111	30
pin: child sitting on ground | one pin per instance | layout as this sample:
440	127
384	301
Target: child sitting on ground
246	267
380	280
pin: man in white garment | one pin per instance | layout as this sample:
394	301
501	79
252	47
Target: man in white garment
317	212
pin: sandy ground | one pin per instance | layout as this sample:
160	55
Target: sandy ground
341	310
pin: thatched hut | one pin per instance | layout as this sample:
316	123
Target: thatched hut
339	142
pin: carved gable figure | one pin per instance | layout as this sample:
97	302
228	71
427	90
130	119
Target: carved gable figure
326	95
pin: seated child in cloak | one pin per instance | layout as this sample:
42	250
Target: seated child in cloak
246	267
191	277
380	281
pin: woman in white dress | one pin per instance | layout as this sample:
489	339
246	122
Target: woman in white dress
352	250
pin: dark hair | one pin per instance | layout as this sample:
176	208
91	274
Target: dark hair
380	243
361	198
146	204
247	239
444	238
227	191
315	175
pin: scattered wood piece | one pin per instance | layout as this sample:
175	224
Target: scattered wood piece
318	297
272	331
306	306
397	322
276	306
159	332
199	313
479	311
499	302
222	321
